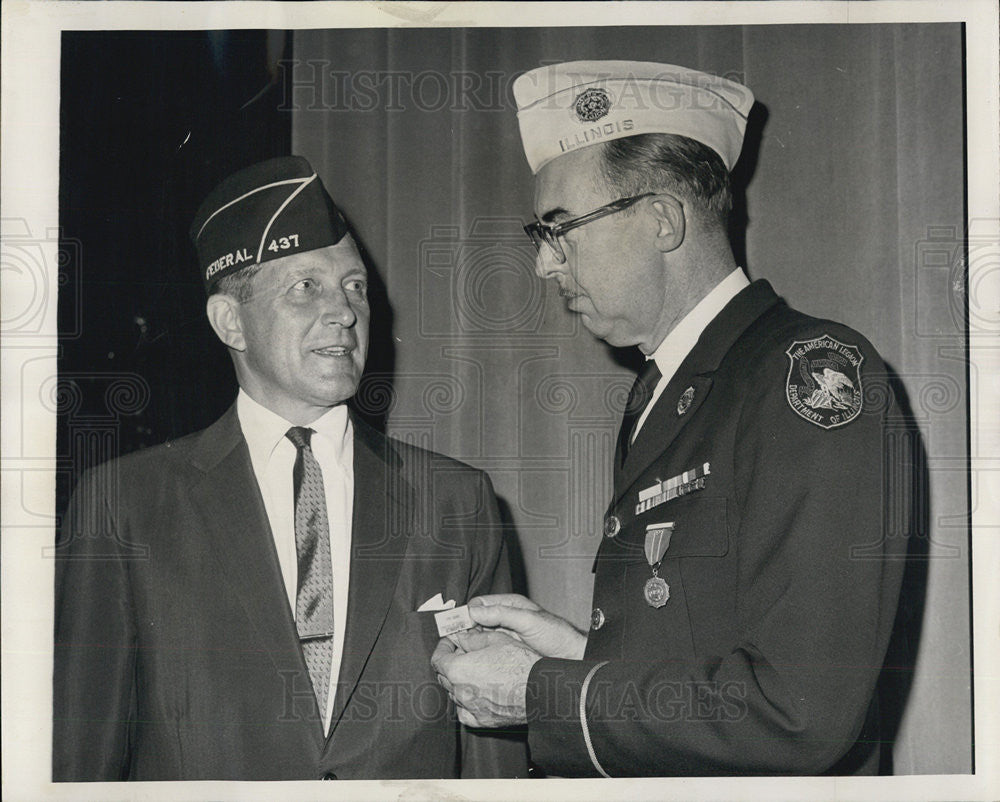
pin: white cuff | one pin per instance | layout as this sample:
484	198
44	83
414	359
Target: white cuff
583	719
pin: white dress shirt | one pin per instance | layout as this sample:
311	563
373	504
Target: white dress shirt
684	336
272	456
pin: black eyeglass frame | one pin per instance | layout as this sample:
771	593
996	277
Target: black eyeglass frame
539	232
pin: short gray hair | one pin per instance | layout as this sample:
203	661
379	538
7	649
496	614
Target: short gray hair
239	284
669	163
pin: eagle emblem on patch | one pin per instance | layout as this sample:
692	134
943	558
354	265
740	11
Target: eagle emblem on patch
591	105
824	381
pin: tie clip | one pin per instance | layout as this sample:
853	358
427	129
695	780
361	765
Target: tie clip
315	635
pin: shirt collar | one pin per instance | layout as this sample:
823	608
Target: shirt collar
684	336
265	430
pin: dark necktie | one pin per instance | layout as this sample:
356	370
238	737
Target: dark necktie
314	592
638	399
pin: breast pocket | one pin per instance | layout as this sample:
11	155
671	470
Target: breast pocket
420	628
699	569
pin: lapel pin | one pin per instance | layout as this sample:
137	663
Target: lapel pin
684	402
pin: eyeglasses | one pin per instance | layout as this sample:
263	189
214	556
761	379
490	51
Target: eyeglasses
540	232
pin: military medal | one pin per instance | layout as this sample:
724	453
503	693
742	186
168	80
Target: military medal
656	590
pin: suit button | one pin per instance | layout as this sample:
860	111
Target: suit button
612	526
329	776
597	618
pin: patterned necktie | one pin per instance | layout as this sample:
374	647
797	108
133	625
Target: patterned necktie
638	398
314	593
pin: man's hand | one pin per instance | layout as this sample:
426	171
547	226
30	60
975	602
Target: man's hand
545	633
485	674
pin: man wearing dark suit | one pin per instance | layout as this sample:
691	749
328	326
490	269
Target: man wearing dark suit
748	574
255	601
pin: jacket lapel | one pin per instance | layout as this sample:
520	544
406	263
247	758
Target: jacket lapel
662	426
228	500
696	372
383	511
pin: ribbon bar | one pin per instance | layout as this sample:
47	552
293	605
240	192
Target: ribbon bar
679	485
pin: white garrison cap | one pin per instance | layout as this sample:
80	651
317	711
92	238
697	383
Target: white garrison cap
568	106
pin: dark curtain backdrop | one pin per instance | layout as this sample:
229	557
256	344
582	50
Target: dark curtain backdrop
851	203
149	122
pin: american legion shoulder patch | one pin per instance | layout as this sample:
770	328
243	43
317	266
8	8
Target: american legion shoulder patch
824	381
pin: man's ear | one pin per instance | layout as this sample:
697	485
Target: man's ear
224	315
669	215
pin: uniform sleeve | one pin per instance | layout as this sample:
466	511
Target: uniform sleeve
491	753
818	581
95	639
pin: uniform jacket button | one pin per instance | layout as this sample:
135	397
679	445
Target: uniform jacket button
597	618
329	776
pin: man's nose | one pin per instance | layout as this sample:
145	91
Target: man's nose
546	264
337	308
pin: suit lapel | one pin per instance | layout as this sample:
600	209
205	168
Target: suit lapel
229	502
696	372
383	511
662	426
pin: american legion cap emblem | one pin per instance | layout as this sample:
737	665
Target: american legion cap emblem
591	105
824	381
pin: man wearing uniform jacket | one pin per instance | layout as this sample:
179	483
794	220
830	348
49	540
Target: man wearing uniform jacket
748	574
256	601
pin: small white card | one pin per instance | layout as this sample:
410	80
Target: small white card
451	621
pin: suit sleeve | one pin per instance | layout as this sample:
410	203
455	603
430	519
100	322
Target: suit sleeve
818	582
491	753
95	639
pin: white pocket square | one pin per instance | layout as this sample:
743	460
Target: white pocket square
435	603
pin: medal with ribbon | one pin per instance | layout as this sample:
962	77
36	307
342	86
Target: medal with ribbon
657	591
